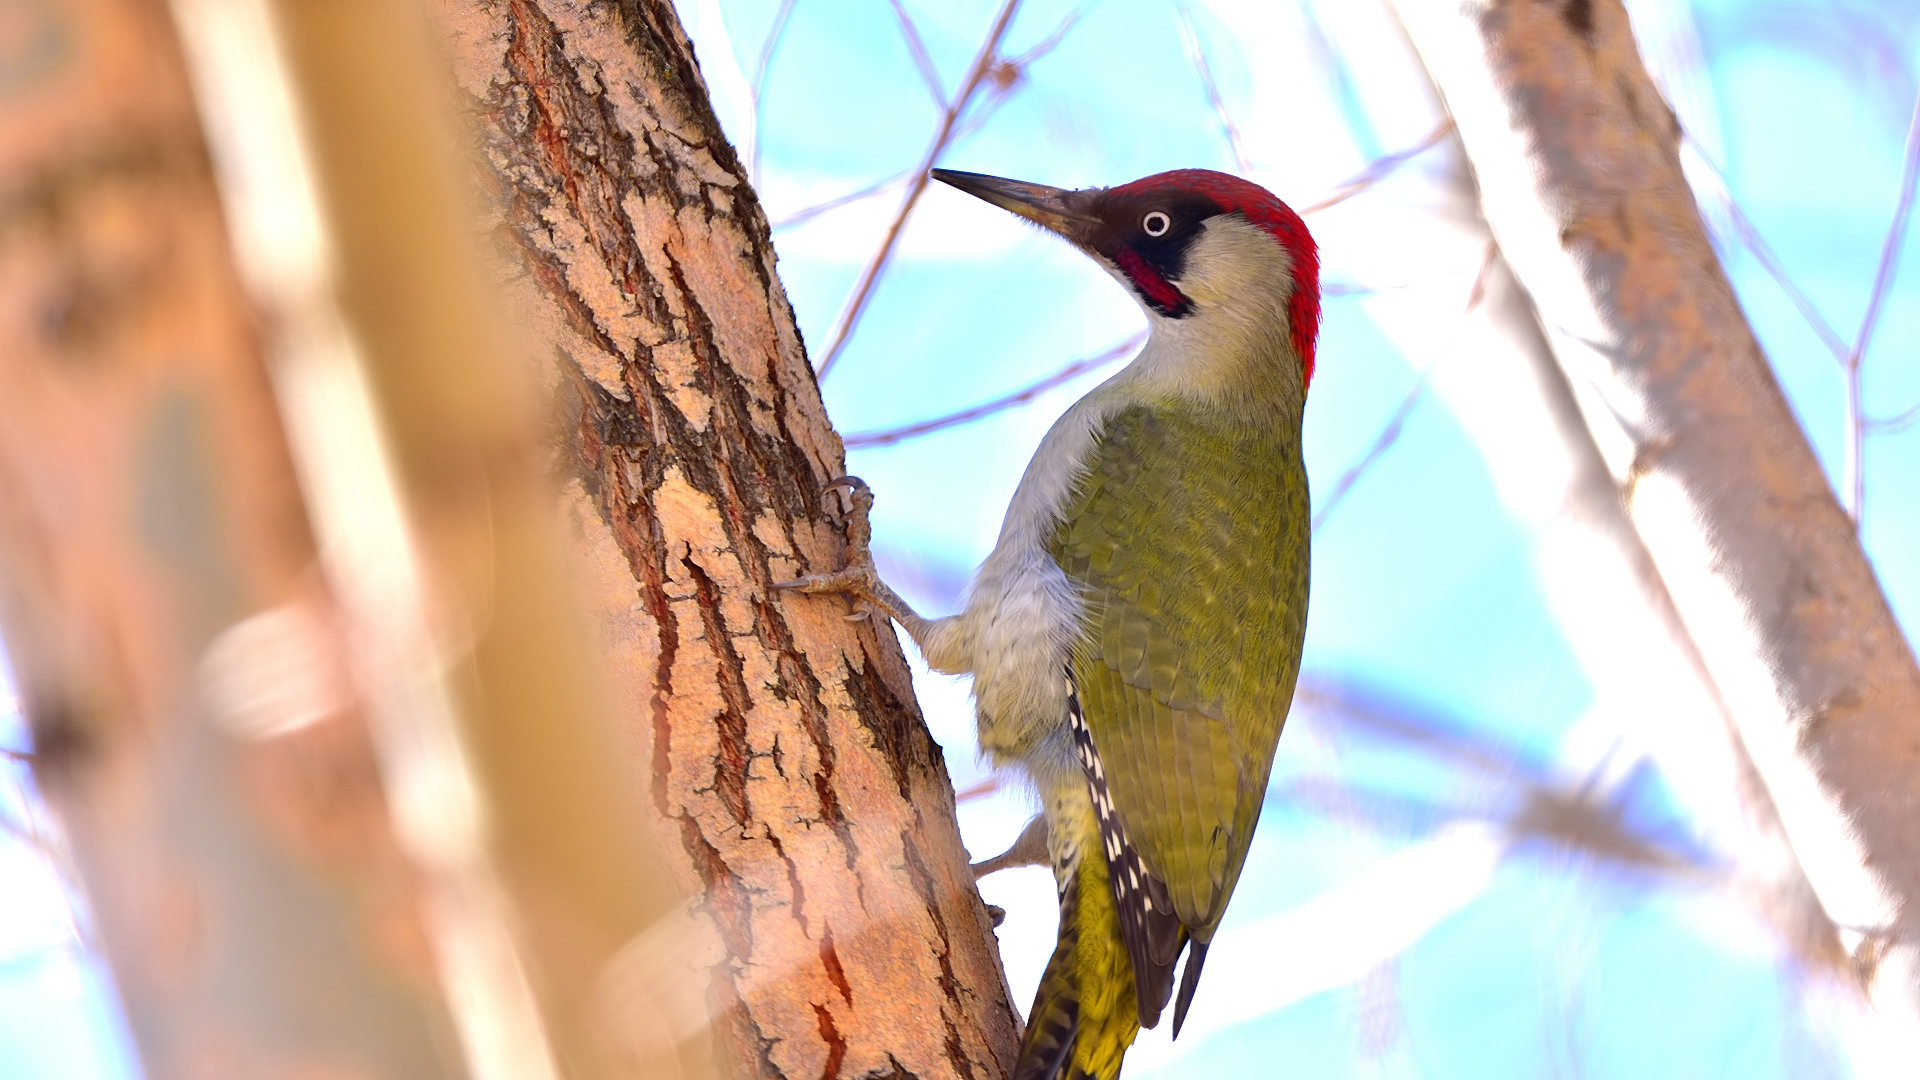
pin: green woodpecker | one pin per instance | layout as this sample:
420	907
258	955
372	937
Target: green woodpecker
1135	635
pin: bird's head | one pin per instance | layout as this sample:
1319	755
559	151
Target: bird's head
1200	249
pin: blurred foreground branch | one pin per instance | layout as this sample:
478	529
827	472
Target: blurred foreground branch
1578	164
180	661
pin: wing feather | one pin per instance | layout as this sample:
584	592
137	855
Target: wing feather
1188	539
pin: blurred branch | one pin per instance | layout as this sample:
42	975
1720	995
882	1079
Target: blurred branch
1899	421
1737	523
1856	430
806	214
1022	61
1190	34
1011	71
888	436
1381	168
921	59
25	833
1750	238
1396	421
776	31
985	63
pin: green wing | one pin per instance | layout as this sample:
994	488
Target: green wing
1189	538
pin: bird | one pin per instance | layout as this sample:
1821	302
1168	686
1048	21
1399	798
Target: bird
1135	635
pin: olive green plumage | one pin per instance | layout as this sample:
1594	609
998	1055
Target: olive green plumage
1188	537
1135	634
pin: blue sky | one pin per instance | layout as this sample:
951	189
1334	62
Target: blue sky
1391	922
1493	956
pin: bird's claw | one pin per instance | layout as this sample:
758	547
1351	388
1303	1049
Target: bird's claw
859	495
858	578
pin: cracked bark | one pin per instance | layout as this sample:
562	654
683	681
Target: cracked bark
794	781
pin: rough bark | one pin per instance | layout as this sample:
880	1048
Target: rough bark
1577	160
177	656
795	783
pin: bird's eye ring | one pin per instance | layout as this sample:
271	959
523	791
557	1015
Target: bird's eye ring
1156	223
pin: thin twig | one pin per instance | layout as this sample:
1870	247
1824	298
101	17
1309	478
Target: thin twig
1882	280
24	756
1390	431
1191	35
1045	45
972	123
1900	421
921	58
1769	260
889	436
1079	367
775	33
1381	168
802	216
983	64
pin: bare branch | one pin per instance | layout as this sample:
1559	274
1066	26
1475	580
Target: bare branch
801	217
1197	54
1052	41
1750	238
921	58
889	436
1896	232
775	33
1900	421
1396	422
1380	169
23	756
1078	367
983	64
1738	519
1856	471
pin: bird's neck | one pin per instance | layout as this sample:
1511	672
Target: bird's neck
1247	366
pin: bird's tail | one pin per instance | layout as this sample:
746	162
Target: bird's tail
1084	1016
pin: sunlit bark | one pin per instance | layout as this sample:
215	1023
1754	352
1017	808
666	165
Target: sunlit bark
1576	157
795	782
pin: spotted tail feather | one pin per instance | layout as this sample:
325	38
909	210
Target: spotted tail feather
1151	931
1083	1017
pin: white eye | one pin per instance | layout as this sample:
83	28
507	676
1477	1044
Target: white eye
1156	223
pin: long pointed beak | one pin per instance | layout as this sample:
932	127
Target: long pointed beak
1059	210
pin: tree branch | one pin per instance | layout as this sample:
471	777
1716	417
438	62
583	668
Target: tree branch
1396	421
1856	433
1579	176
1190	35
776	32
921	59
889	436
1381	168
983	64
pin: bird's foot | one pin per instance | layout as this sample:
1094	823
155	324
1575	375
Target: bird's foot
1030	849
858	580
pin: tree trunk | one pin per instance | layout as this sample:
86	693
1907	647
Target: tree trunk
797	786
174	644
1577	159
